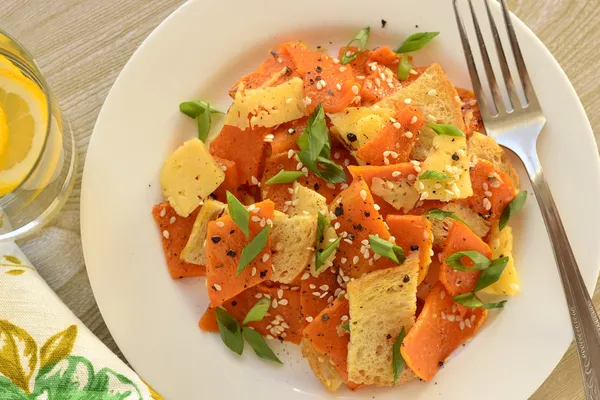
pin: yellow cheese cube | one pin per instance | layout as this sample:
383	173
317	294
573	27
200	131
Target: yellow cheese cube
448	156
305	200
501	243
400	194
362	123
189	175
268	106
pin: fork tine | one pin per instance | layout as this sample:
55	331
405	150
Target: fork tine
484	107
508	81
530	96
489	71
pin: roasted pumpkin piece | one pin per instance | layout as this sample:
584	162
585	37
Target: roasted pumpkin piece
231	182
413	234
224	245
461	238
244	147
395	142
438	331
470	111
283	320
355	219
175	232
285	136
317	292
325	82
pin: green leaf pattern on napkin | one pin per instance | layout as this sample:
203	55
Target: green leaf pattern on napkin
13	265
58	374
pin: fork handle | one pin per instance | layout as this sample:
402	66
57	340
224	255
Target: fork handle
584	318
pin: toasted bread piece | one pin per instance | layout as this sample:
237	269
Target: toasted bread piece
321	366
478	225
293	243
381	304
194	251
486	148
306	201
436	98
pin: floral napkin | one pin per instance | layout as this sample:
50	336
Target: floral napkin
46	353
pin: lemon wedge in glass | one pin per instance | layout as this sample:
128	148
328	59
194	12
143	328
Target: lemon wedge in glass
25	111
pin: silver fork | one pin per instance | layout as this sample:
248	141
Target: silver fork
517	126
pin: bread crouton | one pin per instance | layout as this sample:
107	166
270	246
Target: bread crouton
478	225
321	366
436	98
194	250
381	304
292	242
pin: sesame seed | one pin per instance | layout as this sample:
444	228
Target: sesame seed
442	295
336	61
299	166
317	294
487	193
355	259
283	302
354	89
307	100
432	92
462	325
468	323
397	125
450	318
344	318
305	276
407	101
486	204
223	168
495	184
312	286
265	258
376	206
269	337
342	69
363	194
414	119
163	212
304	170
343	260
413	72
258	295
443	315
172	220
330	299
274	303
319	85
411	177
253	271
166	234
421	185
256	218
323	295
269	138
275	322
254	180
348	241
217	287
361	77
270	222
424	195
309	319
284	324
324	287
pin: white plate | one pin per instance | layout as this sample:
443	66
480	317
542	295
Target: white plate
199	52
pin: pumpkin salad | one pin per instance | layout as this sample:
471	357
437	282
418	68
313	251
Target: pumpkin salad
351	205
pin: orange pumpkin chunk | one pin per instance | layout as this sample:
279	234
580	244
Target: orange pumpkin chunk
321	79
395	142
413	234
317	293
354	210
245	148
231	182
492	190
328	337
461	238
471	112
284	321
438	331
175	232
286	136
224	245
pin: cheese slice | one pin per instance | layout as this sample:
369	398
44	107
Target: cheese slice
269	106
399	194
448	156
355	126
501	243
189	175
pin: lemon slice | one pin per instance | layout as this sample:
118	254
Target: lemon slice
3	132
25	109
5	63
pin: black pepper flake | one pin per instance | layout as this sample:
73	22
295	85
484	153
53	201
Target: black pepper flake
339	210
358	227
316	187
406	279
231	253
311	81
263	273
414	247
215	239
231	232
325	317
351	137
350	236
388	337
275	54
383	23
440	364
319	69
330	92
318	78
367	214
455	156
320	59
234	303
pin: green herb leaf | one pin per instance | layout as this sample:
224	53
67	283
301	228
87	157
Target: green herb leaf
362	37
331	172
491	274
230	331
346	326
317	132
416	42
387	249
285	177
472	301
194	108
441	215
512	208
239	213
253	249
398	362
404	68
480	261
446	130
322	256
430	175
258	311
203	121
258	344
322	223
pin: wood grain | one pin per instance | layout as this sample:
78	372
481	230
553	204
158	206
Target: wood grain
81	45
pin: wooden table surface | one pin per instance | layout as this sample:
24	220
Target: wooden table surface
81	45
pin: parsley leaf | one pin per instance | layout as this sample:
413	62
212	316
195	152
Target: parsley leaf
239	213
258	311
446	130
480	261
387	249
230	331
284	177
512	208
398	362
362	37
416	41
441	215
404	68
258	344
253	249
472	301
